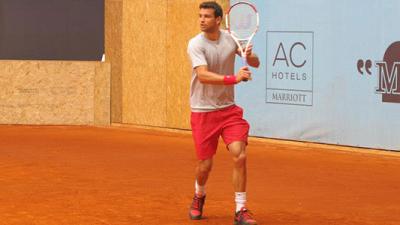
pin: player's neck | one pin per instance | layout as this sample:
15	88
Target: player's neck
213	36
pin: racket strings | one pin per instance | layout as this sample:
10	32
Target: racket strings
242	21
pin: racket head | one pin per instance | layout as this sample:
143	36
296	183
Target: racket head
242	20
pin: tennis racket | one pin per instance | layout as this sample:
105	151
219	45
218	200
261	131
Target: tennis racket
242	22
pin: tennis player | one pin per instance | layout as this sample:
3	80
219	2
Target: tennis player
214	113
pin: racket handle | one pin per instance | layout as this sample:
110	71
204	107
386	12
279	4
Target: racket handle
244	63
244	60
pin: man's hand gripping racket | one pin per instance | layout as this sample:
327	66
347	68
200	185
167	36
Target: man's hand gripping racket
242	22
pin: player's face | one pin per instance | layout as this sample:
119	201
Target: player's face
208	21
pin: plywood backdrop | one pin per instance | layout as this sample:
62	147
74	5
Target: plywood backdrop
150	84
54	92
113	51
144	62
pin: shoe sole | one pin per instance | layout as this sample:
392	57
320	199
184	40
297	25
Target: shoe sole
237	223
195	217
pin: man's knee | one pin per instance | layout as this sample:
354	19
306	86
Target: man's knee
237	148
238	151
240	160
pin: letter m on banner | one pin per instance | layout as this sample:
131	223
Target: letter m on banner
388	82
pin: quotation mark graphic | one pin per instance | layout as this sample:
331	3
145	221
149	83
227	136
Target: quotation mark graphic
364	66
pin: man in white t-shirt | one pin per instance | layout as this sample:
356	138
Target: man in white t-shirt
214	113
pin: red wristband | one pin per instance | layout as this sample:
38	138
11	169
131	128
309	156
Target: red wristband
230	80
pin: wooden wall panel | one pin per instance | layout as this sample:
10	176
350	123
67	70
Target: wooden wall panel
102	97
54	93
113	51
144	62
182	26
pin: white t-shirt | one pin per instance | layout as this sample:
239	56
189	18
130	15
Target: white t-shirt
219	57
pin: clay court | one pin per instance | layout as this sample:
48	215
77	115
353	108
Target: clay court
59	175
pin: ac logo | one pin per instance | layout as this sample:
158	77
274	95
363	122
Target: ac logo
290	67
388	73
281	49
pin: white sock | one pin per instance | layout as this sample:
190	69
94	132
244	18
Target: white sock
240	199
200	190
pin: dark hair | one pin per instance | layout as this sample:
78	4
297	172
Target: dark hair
212	5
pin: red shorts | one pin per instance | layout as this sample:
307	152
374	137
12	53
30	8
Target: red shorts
207	127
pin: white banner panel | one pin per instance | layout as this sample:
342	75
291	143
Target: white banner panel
330	72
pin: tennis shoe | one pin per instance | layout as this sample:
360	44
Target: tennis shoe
196	209
244	217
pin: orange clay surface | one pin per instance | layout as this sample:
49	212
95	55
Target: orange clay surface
96	176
